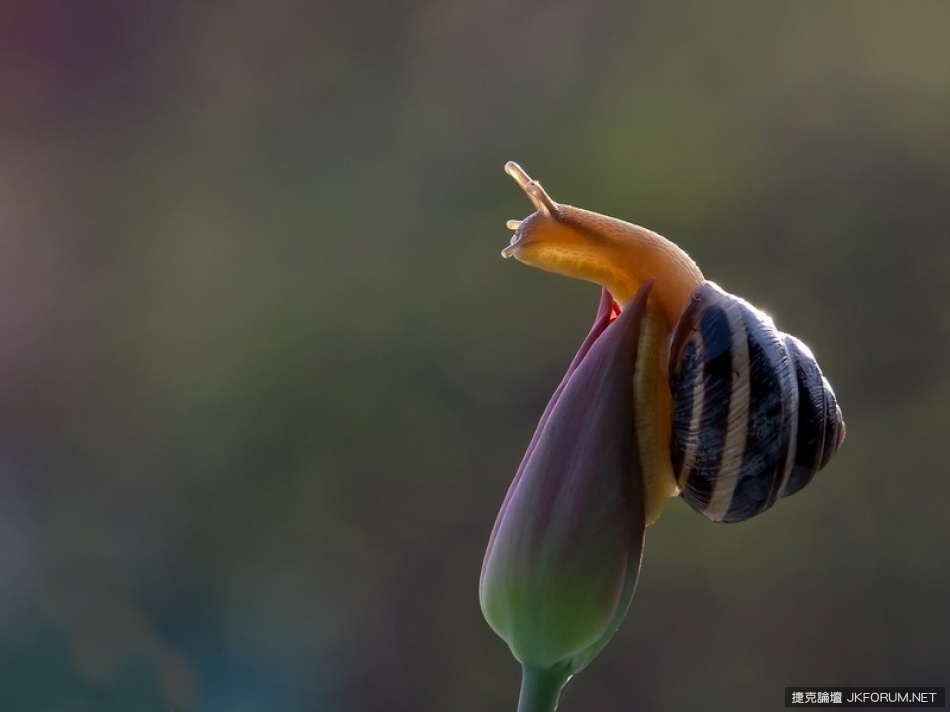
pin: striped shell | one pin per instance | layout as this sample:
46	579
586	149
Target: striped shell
753	417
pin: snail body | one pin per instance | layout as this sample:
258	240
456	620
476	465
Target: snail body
740	414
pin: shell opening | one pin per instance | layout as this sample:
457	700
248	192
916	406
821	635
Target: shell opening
538	195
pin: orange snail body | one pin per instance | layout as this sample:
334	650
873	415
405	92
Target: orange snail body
739	413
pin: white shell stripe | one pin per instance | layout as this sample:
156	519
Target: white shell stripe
734	447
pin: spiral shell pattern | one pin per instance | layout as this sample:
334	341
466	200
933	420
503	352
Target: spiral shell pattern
753	417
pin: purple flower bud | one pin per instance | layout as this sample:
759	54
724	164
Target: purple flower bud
565	551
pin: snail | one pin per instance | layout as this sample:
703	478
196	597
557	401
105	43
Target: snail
740	413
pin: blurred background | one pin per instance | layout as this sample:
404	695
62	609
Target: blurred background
264	377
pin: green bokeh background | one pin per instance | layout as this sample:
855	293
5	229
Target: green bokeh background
264	377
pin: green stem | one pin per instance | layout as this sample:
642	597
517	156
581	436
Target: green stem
540	689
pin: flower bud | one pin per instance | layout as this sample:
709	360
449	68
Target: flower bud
565	551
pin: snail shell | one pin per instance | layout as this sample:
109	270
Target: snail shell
753	417
736	414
